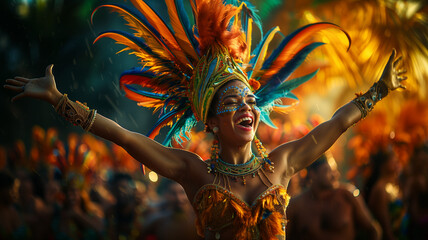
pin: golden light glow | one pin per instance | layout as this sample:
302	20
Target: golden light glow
153	176
375	28
392	190
356	192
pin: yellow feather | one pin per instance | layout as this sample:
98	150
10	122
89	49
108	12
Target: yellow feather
263	52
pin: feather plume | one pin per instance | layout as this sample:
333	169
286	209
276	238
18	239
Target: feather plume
292	44
212	23
158	42
261	50
159	24
164	120
182	29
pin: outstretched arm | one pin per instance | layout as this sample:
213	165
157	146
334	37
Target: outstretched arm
168	162
301	153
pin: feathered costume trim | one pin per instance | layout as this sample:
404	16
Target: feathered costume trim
219	208
169	57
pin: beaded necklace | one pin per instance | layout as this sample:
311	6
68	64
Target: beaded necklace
236	171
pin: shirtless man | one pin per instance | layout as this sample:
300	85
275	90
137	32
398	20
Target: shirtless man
176	219
324	211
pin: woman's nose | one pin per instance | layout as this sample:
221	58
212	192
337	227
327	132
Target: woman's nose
245	107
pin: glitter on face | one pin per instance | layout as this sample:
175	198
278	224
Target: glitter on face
233	98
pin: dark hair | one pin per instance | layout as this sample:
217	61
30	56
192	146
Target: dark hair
377	161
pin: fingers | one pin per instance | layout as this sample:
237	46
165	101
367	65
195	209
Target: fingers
49	70
402	78
402	86
15	82
396	62
401	71
14	88
22	79
392	57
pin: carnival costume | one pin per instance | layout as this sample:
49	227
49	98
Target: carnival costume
183	67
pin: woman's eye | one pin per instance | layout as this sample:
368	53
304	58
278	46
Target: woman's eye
230	103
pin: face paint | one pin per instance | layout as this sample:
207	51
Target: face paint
233	98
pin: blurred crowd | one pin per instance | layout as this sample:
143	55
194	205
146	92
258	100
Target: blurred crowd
82	187
85	188
391	202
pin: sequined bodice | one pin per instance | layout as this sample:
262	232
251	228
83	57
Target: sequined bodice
218	208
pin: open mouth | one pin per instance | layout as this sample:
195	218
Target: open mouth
246	122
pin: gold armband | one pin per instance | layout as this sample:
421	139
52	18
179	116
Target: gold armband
365	102
76	112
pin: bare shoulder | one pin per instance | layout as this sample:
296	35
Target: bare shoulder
192	160
279	156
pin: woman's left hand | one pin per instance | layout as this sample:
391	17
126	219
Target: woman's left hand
392	74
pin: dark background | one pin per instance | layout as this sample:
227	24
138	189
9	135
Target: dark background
34	34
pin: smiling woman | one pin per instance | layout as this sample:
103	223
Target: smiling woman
208	72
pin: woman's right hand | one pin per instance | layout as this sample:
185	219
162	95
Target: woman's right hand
43	88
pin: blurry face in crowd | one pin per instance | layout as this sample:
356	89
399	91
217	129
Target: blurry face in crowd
73	196
176	196
25	189
392	165
124	192
323	176
52	191
237	115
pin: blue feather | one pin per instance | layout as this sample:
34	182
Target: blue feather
181	11
284	90
284	42
266	101
184	124
295	82
264	117
165	116
252	12
145	22
133	12
248	11
139	41
256	52
140	71
289	67
147	94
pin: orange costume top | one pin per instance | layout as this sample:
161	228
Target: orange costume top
217	208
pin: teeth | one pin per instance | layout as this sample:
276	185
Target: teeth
245	119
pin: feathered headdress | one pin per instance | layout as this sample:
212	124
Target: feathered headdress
184	65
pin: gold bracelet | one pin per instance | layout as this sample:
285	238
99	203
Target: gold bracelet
77	113
366	102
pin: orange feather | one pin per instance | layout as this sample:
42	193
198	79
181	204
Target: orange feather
213	21
179	31
160	26
294	45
